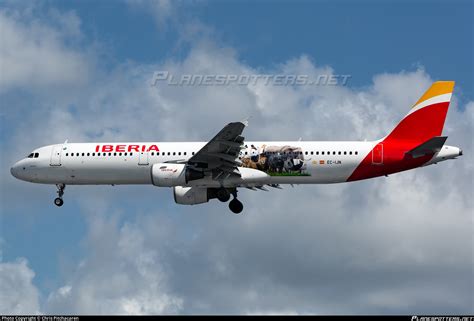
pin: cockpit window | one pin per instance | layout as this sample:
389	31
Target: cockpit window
37	155
31	155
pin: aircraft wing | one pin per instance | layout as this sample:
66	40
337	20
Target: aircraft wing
221	154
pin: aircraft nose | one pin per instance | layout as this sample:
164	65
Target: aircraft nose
14	171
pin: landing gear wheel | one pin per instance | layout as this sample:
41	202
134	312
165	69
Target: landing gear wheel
223	195
236	206
58	201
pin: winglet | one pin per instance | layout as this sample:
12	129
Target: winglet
245	121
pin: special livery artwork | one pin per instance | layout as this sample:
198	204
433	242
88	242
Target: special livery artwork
276	160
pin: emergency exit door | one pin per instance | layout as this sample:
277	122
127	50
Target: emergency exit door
143	158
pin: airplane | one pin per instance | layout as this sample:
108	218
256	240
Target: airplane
200	171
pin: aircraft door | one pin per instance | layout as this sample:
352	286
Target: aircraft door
56	155
143	158
377	154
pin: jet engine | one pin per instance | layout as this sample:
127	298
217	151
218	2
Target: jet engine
190	195
169	175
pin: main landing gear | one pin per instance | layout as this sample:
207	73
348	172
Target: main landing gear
58	201
235	205
223	194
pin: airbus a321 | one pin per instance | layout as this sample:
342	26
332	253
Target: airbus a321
200	171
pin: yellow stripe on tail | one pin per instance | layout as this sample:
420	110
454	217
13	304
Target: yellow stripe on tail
436	89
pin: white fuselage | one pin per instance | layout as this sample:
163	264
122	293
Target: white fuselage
88	163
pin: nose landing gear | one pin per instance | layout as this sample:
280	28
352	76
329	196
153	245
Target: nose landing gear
58	201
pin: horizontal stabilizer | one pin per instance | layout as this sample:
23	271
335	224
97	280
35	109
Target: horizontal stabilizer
431	146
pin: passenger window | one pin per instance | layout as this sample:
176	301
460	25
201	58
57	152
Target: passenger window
345	153
350	153
356	153
120	154
312	152
184	153
322	153
174	153
306	153
339	153
67	154
88	154
317	153
169	153
152	153
110	154
193	153
131	154
179	153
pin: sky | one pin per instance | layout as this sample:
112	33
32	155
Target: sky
82	71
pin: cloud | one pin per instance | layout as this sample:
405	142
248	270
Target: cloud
161	10
399	245
37	55
122	275
18	294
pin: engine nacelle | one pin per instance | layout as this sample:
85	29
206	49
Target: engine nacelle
169	175
190	195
